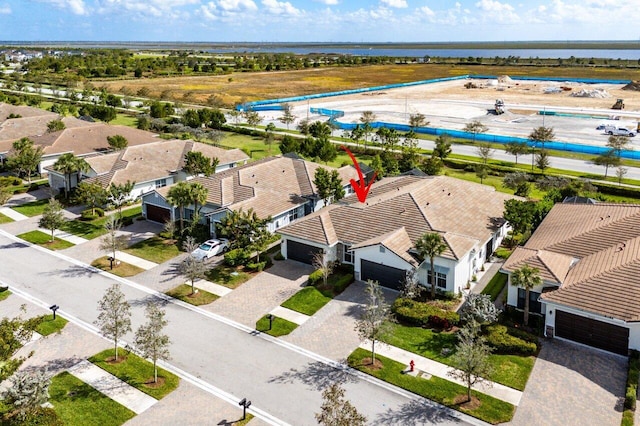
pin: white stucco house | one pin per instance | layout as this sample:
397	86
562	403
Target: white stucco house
378	237
588	256
279	187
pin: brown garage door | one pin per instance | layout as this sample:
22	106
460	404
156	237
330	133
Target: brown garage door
157	214
609	337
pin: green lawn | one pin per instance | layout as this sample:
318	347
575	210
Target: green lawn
78	404
228	276
307	301
5	219
44	240
183	292
154	249
490	410
279	326
495	286
125	120
509	370
137	372
34	208
4	294
122	270
95	228
49	325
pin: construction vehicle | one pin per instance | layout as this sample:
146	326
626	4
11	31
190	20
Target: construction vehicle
499	107
619	104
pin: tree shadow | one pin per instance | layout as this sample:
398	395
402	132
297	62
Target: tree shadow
72	271
55	365
13	245
144	301
415	412
316	375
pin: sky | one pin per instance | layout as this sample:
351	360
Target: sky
355	21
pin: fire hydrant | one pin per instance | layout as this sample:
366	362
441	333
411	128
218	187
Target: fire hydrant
411	365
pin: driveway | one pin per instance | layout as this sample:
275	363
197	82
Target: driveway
573	384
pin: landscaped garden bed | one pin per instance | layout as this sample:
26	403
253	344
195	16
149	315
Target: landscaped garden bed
44	240
200	297
121	269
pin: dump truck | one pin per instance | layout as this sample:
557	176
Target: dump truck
619	104
499	107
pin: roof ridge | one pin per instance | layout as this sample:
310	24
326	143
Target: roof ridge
421	210
546	265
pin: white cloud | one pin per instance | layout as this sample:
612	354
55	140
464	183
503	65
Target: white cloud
587	12
227	10
398	4
328	2
426	11
236	5
5	9
494	11
275	7
76	6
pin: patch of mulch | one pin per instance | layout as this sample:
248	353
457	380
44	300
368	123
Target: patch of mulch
113	360
155	385
461	401
377	365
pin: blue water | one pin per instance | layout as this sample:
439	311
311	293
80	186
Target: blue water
443	53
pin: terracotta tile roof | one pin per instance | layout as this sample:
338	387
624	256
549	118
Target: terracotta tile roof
464	212
605	240
553	267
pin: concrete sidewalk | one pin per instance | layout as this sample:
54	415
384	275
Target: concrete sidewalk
438	369
217	289
289	315
12	214
112	387
63	235
135	260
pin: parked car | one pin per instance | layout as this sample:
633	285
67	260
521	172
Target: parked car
621	131
211	248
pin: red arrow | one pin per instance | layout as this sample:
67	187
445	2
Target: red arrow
362	190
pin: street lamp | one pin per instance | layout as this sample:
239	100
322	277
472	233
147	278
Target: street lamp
244	404
54	308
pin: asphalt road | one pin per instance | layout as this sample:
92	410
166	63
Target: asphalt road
279	379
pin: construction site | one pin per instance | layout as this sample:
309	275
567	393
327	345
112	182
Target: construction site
578	111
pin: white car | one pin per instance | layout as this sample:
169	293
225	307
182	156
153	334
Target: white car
211	248
620	131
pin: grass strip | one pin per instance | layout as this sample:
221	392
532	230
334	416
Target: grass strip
77	403
5	219
122	269
279	326
183	292
228	276
4	294
495	286
137	372
49	325
34	208
307	301
154	249
490	409
95	228
44	240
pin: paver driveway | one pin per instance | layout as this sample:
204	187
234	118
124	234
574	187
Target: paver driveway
573	385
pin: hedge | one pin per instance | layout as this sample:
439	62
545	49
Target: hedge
510	341
423	313
315	276
237	257
633	374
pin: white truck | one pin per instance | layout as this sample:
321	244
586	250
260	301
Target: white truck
618	131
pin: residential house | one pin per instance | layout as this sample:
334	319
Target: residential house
153	165
279	187
378	236
588	256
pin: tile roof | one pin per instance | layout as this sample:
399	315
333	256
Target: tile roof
397	241
464	212
553	267
604	241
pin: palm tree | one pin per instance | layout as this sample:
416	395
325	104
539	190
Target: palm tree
526	277
69	164
179	196
198	195
431	245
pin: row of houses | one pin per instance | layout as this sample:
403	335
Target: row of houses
588	254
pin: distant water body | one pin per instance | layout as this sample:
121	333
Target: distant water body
627	54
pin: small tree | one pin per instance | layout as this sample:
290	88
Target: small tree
620	173
91	194
117	142
111	241
150	339
607	159
374	321
52	217
119	194
475	127
191	268
28	392
485	152
471	358
482	172
479	308
24	159
287	116
542	160
443	146
329	185
417	120
516	149
5	195
527	278
338	411
114	319
252	118
411	288
429	246
55	126
196	163
320	261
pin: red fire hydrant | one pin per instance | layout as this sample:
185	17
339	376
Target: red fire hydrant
411	365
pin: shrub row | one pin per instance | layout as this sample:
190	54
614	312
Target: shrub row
510	341
315	277
423	313
237	257
88	214
10	181
633	374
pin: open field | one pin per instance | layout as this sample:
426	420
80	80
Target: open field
240	87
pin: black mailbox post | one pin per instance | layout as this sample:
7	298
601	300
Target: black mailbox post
244	404
54	308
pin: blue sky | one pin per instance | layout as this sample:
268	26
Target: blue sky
318	20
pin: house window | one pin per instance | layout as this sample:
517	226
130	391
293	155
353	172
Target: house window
347	256
382	249
161	183
441	279
188	214
534	305
293	215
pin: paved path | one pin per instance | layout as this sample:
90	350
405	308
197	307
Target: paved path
289	315
114	388
438	369
12	214
490	271
261	294
135	260
217	289
63	235
572	384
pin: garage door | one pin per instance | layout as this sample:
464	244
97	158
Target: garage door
385	275
301	252
592	332
157	214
